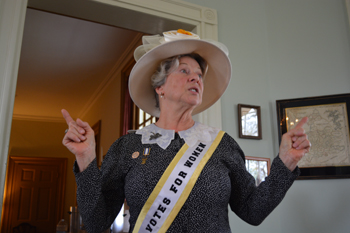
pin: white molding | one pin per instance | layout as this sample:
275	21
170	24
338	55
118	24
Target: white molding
175	8
12	16
202	20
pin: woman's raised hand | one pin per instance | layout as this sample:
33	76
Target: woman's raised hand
80	140
294	145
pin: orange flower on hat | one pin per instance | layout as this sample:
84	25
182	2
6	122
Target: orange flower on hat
184	32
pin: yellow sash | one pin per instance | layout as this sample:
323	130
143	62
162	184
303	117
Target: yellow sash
185	193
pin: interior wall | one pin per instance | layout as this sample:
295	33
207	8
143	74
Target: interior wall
44	139
309	53
284	50
107	109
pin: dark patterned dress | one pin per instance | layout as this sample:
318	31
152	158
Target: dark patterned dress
224	181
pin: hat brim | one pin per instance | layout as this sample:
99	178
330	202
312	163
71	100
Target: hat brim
215	82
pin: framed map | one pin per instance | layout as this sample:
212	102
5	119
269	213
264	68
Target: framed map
328	132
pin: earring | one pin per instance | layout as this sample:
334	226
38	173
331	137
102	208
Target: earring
161	95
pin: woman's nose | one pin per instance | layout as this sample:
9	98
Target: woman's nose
193	77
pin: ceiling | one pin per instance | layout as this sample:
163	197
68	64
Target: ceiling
64	63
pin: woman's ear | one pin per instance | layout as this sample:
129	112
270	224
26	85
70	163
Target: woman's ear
159	90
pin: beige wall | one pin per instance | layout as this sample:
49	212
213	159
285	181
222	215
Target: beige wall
107	109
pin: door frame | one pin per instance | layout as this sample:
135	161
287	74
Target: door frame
161	14
61	189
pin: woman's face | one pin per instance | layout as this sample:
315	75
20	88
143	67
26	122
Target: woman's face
184	86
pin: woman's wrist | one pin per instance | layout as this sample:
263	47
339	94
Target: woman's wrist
84	162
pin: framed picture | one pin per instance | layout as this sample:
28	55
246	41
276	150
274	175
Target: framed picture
258	167
249	121
327	130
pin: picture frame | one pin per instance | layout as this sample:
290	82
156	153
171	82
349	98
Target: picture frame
347	3
258	167
249	121
327	130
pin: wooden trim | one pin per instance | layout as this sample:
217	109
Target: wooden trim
123	84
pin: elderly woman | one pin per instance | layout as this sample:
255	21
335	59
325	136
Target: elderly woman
177	175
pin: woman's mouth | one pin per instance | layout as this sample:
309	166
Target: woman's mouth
194	90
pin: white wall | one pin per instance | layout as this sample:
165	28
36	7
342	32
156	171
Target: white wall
282	50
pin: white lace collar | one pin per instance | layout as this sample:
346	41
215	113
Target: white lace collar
198	132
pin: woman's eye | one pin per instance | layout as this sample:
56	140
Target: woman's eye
200	75
183	71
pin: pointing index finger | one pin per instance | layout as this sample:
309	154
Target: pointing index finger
66	116
302	122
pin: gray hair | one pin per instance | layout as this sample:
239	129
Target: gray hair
169	65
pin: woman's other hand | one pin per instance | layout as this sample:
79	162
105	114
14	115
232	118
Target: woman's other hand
80	140
294	145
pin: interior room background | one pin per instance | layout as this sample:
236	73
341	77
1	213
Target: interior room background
279	49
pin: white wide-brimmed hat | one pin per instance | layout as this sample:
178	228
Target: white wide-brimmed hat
157	48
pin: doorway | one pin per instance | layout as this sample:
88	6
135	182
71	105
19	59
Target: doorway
155	16
34	193
56	72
